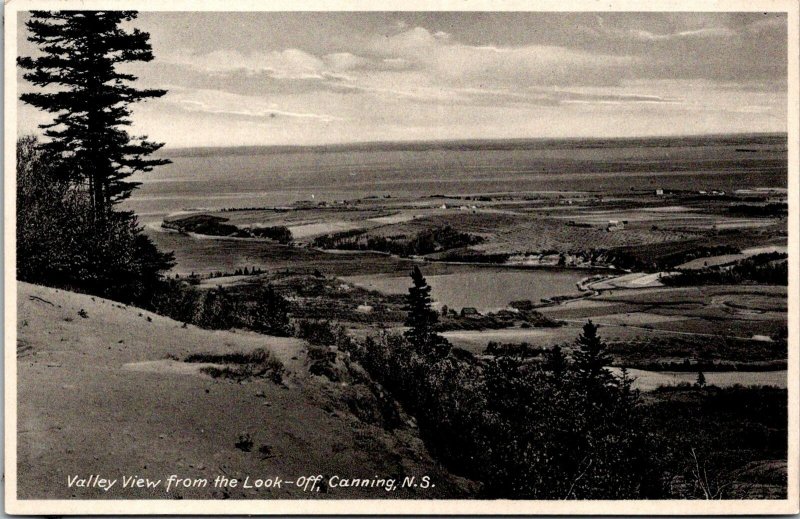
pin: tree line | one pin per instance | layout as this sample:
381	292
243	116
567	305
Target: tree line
557	429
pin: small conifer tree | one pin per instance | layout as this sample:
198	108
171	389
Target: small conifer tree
701	379
591	357
421	319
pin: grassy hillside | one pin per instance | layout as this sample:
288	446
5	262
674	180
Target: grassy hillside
104	389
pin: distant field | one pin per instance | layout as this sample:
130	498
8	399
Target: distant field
650	380
528	204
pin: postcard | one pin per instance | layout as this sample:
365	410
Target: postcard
401	258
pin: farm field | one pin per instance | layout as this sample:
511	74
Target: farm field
606	253
742	324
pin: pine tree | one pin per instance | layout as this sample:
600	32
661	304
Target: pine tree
701	379
591	359
421	318
80	51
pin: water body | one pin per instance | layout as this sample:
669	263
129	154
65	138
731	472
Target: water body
649	380
254	177
486	289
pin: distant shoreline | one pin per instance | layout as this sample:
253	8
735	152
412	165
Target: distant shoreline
480	144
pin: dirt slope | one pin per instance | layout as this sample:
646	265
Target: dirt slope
97	395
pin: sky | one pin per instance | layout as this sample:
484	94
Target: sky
316	78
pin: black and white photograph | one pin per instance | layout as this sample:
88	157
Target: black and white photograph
431	258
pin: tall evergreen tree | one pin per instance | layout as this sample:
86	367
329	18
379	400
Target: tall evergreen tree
591	358
421	318
77	67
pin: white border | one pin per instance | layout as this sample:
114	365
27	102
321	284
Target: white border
398	507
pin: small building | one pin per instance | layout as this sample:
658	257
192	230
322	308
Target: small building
615	225
469	311
659	192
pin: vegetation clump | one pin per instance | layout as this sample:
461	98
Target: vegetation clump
555	429
425	242
210	225
771	268
521	349
263	310
239	366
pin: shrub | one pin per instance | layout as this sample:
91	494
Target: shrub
218	310
319	332
519	427
60	244
269	313
239	366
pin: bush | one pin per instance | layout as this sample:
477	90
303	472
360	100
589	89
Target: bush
176	300
241	366
321	333
525	430
218	311
269	313
60	244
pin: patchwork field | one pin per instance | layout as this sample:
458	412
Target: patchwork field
486	251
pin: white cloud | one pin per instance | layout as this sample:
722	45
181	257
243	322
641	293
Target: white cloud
531	64
225	103
706	32
284	64
344	61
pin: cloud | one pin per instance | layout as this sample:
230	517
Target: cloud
438	54
641	35
284	64
223	103
344	61
443	57
413	68
709	32
555	97
289	63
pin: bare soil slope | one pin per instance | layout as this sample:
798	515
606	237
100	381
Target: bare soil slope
98	395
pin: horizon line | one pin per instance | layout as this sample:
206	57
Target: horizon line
469	140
